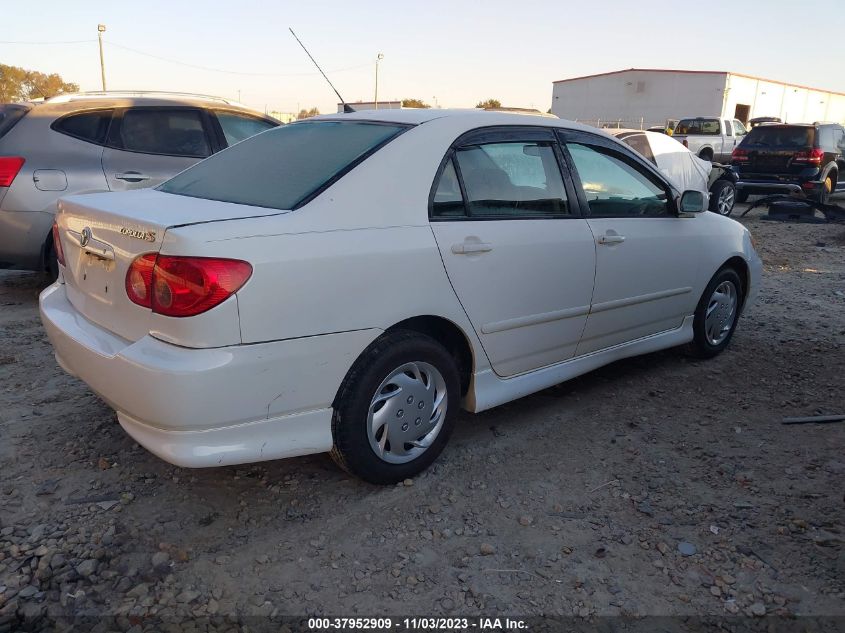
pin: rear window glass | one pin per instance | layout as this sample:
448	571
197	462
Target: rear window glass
698	126
780	136
88	126
9	115
281	168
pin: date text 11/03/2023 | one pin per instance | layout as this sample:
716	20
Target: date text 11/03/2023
417	624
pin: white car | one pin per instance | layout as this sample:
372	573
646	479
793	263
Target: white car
348	282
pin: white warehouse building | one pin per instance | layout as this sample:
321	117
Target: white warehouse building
640	96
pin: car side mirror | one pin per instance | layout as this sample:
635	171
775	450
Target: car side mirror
692	202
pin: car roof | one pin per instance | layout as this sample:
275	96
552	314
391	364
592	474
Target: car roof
469	117
73	102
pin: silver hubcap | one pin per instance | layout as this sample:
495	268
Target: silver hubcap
407	412
726	200
721	313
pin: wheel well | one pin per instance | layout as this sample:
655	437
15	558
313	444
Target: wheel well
447	334
741	268
706	151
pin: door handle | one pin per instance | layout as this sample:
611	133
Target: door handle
132	176
466	248
611	239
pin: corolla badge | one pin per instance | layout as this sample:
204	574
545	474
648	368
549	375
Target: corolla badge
85	237
147	236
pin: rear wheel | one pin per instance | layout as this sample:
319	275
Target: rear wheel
828	185
396	408
716	314
722	197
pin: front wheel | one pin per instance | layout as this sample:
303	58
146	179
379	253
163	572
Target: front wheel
722	197
716	314
396	408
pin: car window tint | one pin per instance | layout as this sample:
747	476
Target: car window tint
826	138
171	132
639	143
237	127
10	114
88	126
512	180
448	201
784	136
284	166
615	188
698	126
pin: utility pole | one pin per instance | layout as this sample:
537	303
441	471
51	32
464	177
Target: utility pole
379	57
101	28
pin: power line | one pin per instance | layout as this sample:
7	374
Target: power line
47	43
224	71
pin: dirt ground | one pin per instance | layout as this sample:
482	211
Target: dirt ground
575	501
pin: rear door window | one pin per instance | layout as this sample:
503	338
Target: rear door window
236	127
86	126
448	200
173	132
285	167
511	180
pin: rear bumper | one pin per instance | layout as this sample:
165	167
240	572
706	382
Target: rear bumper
22	237
208	407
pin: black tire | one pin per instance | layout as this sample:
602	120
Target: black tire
706	154
722	189
701	346
827	189
742	196
352	450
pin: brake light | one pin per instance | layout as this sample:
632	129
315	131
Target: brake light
57	245
184	286
739	155
813	157
9	168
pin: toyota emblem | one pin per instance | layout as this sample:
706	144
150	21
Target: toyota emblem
86	236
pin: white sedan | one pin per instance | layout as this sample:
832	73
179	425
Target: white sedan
348	282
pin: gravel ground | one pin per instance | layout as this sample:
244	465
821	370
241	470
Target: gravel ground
658	485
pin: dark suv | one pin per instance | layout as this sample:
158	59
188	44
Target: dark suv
791	158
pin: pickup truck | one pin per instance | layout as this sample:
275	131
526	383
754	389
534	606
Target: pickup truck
710	138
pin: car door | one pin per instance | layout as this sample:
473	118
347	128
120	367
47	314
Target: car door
646	255
148	145
519	256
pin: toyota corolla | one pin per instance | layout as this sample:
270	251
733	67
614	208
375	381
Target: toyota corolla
345	284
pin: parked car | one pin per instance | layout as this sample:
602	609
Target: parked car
103	141
803	159
683	168
760	120
710	138
348	282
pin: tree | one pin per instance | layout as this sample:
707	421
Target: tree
306	114
414	103
490	103
20	84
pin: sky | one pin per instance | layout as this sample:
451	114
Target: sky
450	54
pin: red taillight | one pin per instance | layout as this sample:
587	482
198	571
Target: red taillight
739	155
813	157
57	245
9	168
184	286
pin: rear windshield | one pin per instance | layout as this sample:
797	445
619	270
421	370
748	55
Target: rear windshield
781	136
10	114
283	167
698	126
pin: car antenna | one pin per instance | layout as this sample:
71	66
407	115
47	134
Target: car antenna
346	107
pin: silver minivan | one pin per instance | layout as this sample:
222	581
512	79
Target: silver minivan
106	141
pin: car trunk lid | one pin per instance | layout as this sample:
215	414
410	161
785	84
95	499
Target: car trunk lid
102	234
773	149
